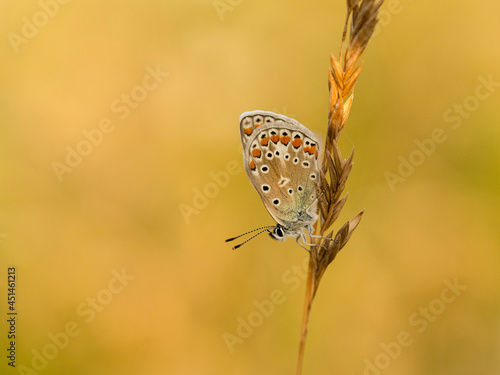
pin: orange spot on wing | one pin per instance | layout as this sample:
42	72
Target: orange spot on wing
264	141
256	152
312	150
275	138
252	165
306	149
316	154
285	139
296	142
257	125
247	131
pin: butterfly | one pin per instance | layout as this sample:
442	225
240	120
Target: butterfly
280	157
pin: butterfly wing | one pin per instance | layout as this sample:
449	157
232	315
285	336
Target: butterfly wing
280	157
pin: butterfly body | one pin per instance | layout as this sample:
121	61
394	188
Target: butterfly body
280	157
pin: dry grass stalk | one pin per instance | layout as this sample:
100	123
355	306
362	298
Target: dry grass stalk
343	74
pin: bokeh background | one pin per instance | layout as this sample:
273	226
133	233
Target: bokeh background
144	201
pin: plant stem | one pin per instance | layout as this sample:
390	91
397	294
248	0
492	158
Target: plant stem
305	315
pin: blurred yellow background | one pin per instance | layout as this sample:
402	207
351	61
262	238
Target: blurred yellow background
121	177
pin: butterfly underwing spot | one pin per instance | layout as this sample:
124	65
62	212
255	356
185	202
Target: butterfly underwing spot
312	176
247	125
285	138
255	149
266	188
269	155
311	150
256	152
258	121
306	164
264	140
247	121
274	136
283	181
290	191
277	153
276	202
287	156
264	169
300	188
295	160
297	141
306	146
268	120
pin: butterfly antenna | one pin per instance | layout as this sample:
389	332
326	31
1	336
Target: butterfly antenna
244	234
251	238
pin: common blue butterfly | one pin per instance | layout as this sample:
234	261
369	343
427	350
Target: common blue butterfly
280	157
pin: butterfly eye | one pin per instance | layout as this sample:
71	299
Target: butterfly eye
279	232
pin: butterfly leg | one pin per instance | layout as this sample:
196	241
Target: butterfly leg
297	239
309	232
304	240
325	238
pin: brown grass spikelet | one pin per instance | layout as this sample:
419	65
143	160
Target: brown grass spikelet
343	74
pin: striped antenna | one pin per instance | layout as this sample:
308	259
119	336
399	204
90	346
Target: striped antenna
262	230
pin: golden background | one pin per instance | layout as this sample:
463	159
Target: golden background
131	204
